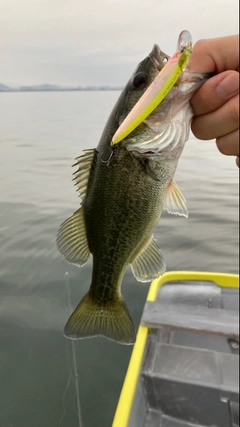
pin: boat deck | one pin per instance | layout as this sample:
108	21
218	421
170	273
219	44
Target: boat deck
189	374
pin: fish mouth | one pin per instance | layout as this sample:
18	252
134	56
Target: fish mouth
192	77
158	57
167	127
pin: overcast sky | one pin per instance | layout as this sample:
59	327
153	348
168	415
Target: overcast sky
84	42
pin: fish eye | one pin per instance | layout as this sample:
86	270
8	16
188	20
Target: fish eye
140	81
165	60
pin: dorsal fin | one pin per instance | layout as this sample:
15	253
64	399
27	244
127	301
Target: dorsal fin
81	176
72	237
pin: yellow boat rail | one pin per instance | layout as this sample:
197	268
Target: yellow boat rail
123	410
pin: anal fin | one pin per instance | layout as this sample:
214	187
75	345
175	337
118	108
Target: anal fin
149	264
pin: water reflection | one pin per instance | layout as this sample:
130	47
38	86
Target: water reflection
40	138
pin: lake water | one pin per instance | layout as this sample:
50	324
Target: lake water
45	379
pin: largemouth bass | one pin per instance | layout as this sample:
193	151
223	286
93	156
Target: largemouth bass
124	189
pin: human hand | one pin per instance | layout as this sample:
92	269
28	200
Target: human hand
216	103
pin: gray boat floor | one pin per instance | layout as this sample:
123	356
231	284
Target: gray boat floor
190	371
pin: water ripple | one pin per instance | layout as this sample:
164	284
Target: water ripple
40	138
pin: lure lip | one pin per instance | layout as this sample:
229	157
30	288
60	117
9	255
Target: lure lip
158	89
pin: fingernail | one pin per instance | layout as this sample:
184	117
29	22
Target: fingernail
229	86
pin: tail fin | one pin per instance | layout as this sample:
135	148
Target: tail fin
91	319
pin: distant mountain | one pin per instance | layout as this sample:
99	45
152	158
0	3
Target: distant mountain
3	88
45	87
51	87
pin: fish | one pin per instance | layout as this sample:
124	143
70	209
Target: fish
124	188
159	88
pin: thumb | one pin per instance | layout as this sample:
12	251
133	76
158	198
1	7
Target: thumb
215	55
215	92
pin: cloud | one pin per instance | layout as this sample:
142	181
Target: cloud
98	42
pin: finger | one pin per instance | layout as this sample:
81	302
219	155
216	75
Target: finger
218	123
215	55
215	92
229	144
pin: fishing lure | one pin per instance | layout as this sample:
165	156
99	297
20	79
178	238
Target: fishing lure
159	88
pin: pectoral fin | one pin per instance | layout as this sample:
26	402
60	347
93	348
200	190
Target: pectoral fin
72	239
149	264
174	202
